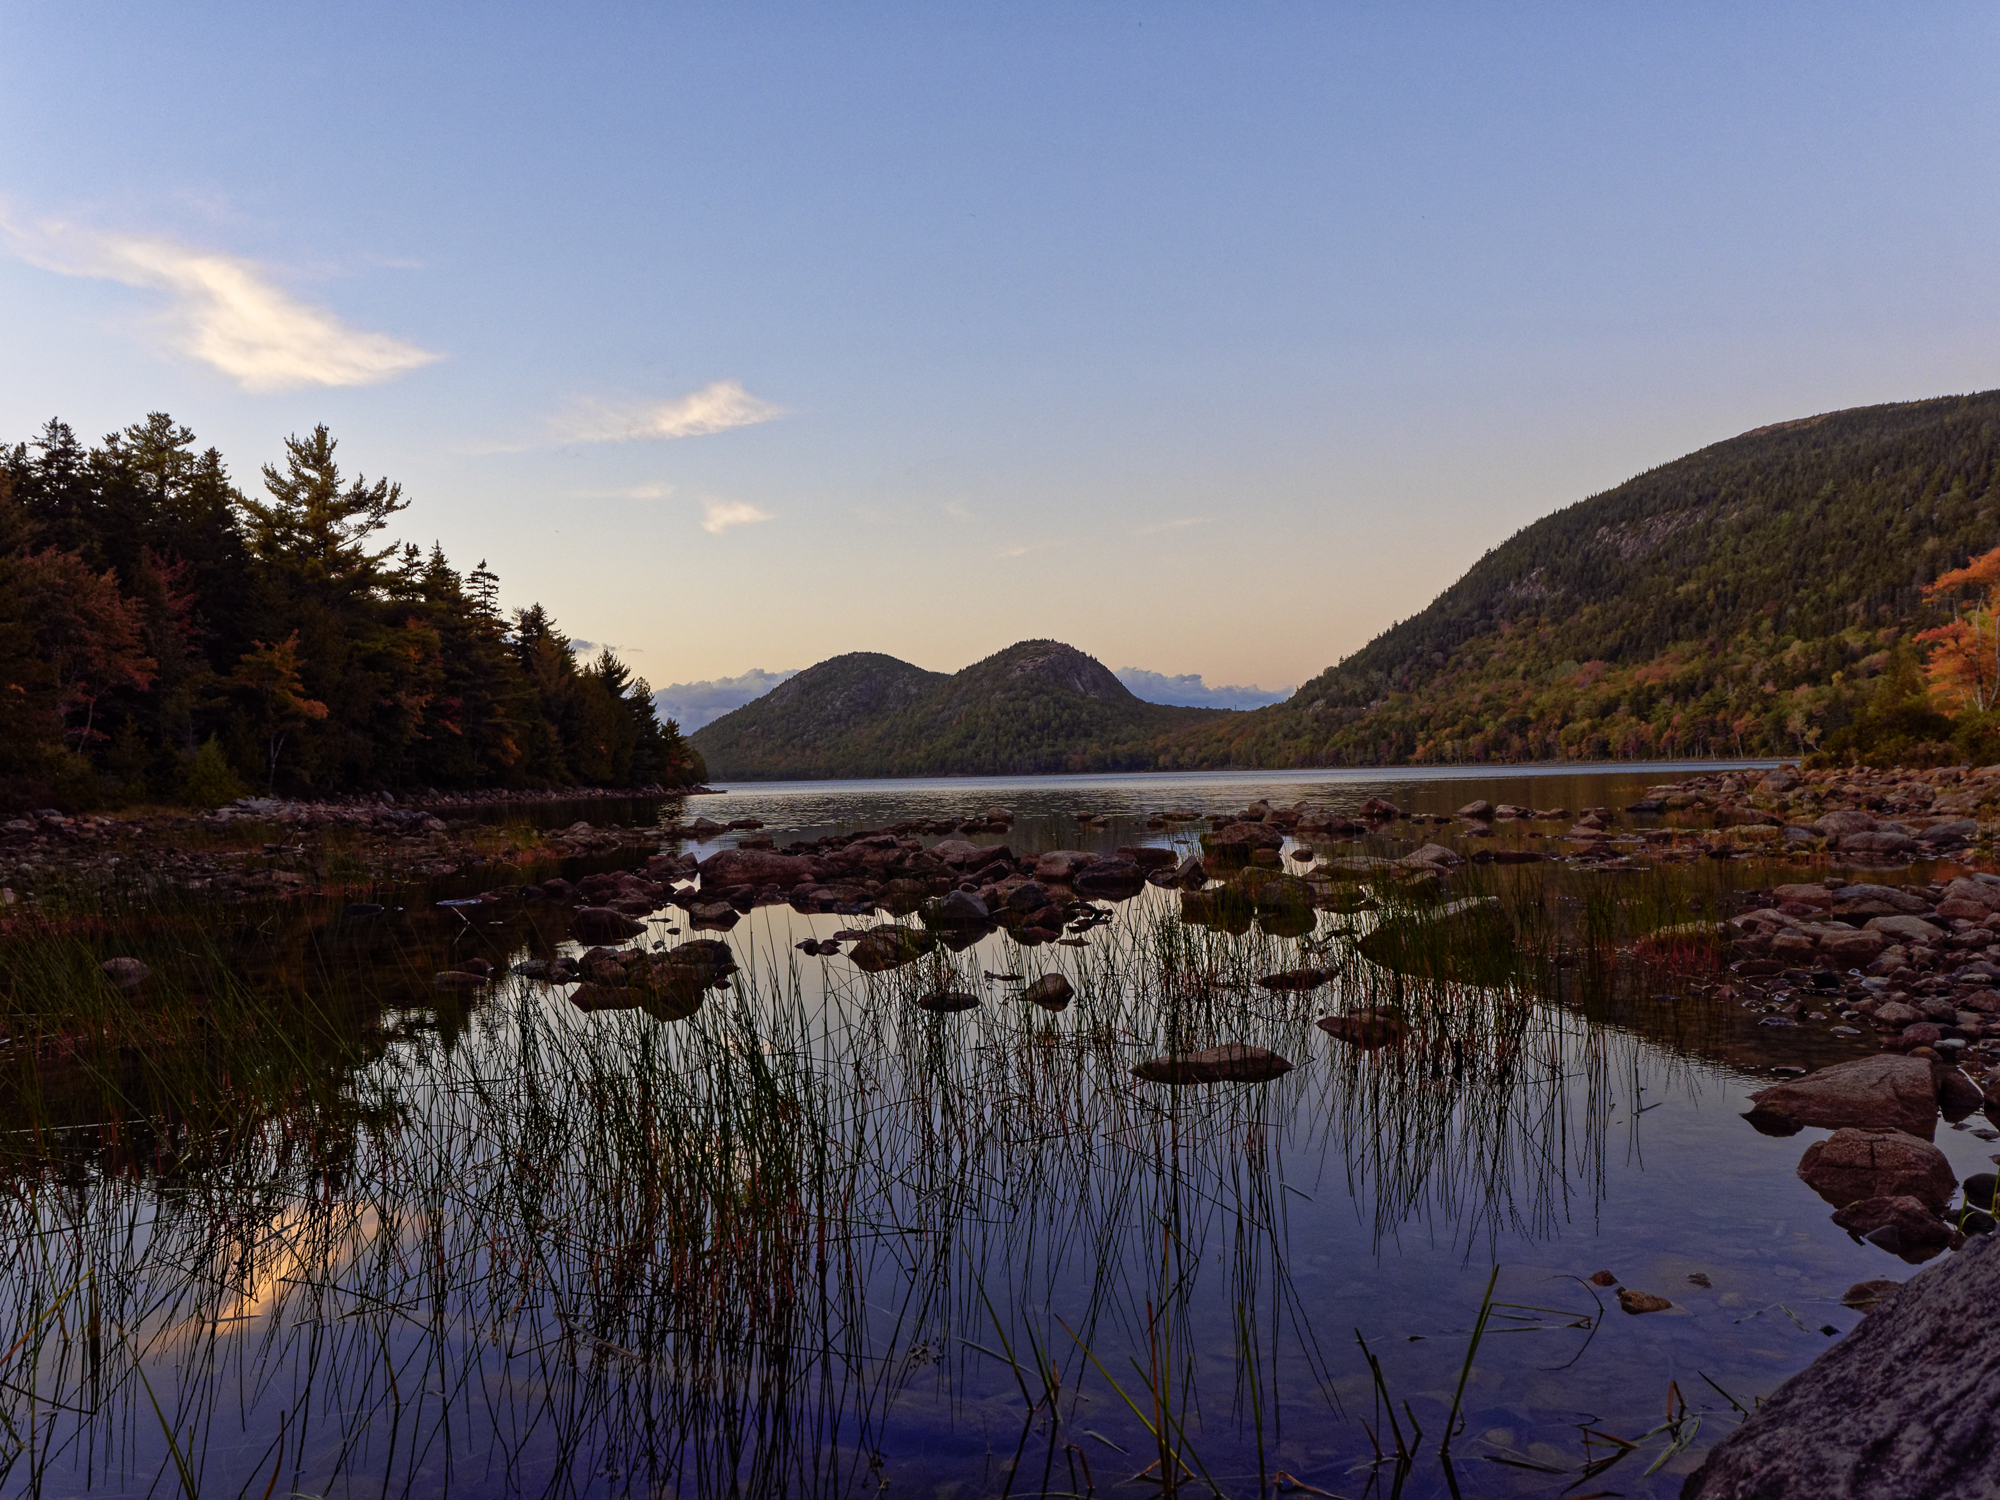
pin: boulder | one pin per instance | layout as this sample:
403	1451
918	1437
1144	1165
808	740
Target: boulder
1365	1028
1111	877
1901	1225
1904	929
1433	857
890	947
1978	892
1900	1409
1641	1302
1148	856
959	852
961	909
1380	808
1236	843
1850	1165
1481	810
1234	1063
1062	865
1880	842
1871	1093
1804	895
1944	835
1958	1096
600	924
1051	992
1852	950
703	828
1030	895
727	869
1875	901
944	1002
1839	824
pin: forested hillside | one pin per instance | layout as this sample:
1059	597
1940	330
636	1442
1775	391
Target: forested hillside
164	634
1743	599
1036	707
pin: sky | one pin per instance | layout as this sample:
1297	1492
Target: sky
1211	340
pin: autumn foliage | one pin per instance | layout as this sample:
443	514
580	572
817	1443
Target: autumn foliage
1963	668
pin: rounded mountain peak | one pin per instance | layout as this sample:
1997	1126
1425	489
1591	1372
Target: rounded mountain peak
1064	666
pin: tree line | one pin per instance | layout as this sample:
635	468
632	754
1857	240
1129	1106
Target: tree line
167	635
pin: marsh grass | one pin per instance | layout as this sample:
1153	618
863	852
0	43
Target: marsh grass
265	1234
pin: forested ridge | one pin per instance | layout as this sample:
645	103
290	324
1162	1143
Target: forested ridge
167	634
1749	598
1037	707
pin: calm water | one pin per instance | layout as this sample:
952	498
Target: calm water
956	1252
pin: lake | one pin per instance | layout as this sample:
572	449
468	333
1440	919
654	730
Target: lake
295	1220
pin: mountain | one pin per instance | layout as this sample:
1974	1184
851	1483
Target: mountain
1038	706
813	720
1738	600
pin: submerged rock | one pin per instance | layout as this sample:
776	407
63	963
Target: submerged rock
1365	1028
1051	992
1871	1093
1850	1165
126	973
944	1002
1295	979
1902	1225
1234	1063
1641	1302
883	948
1900	1409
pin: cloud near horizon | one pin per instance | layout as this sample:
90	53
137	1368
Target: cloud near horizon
1187	690
713	408
717	516
225	311
693	704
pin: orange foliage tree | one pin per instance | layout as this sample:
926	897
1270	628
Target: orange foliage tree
1964	664
270	676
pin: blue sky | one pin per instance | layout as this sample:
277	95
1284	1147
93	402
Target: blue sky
1208	339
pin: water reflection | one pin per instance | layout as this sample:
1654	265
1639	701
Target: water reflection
810	1237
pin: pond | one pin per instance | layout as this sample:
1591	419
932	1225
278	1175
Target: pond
291	1218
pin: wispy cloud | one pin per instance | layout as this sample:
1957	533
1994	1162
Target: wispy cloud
1181	525
1188	690
713	408
958	510
717	516
224	310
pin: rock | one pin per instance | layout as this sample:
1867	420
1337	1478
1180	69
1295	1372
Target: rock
1850	1165
457	979
1904	929
729	868
996	815
1853	950
355	910
1237	843
961	909
1900	1409
1051	992
1116	878
1871	1093
1234	1063
1779	782
1433	857
599	924
1603	1278
1295	979
1062	865
1866	1296
717	916
890	947
1380	808
1148	856
1805	895
704	828
126	973
1897	1014
1876	901
1641	1302
1190	871
1365	1028
1845	821
1028	896
1879	842
1481	810
1901	1225
1958	1096
944	1002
